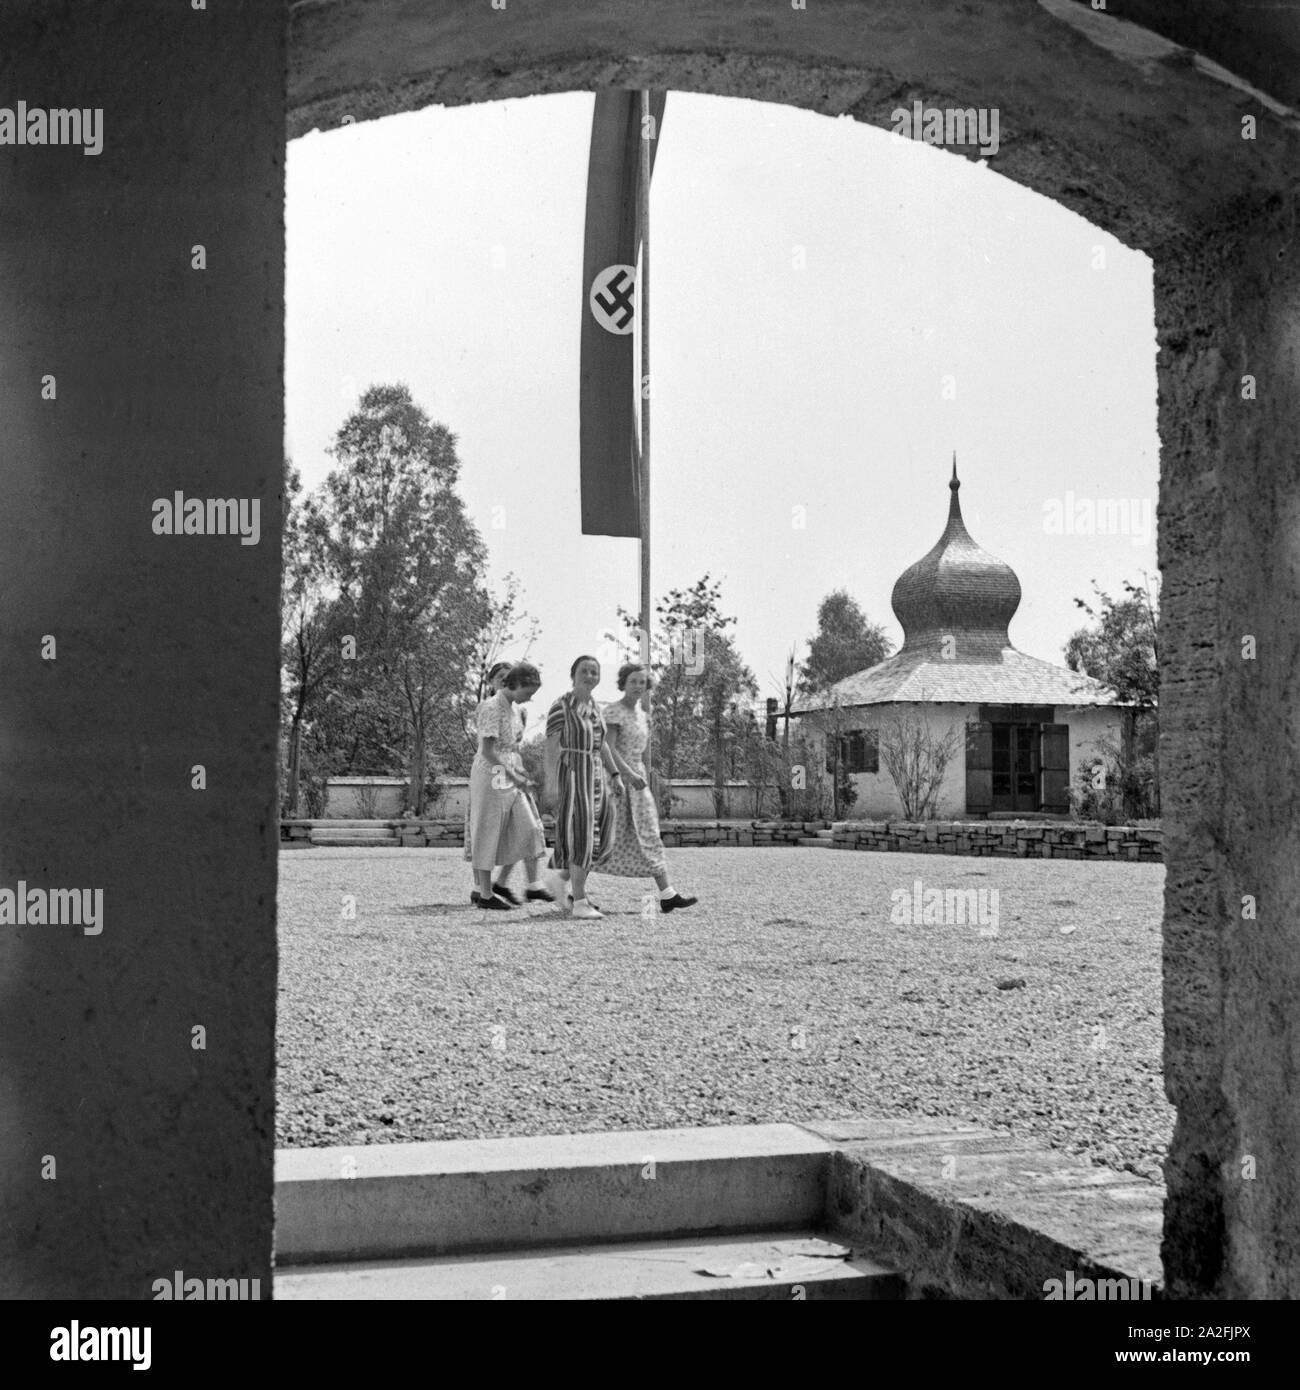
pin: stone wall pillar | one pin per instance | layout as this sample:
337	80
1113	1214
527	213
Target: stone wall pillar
131	1144
1228	308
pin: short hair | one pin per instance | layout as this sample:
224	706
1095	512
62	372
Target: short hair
573	670
522	674
628	668
497	669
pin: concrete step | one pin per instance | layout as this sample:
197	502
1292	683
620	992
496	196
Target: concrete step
773	1265
400	1201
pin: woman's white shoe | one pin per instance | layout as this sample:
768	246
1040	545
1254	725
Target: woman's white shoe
582	908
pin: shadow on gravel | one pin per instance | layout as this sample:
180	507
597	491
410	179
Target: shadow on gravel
432	909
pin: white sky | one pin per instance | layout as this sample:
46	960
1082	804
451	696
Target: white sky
444	249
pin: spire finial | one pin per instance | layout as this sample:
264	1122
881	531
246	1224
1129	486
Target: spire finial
954	484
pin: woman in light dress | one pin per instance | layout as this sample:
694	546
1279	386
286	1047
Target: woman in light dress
496	674
580	772
637	851
504	825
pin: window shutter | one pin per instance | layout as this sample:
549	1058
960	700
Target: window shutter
871	761
1056	767
979	766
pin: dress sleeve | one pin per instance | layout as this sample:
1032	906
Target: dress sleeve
489	722
555	720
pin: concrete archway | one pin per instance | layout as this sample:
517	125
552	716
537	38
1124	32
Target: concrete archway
171	378
1141	131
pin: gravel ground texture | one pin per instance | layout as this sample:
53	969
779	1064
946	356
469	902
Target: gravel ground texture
791	992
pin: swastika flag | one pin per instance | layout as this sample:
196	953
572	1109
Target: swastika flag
607	390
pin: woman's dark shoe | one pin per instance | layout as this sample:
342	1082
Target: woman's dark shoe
667	904
495	904
539	895
503	892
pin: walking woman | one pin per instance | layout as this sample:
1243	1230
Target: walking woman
496	674
637	851
504	827
579	771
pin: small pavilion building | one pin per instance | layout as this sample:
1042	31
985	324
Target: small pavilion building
1020	724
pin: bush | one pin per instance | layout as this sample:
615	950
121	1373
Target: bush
533	753
1095	795
434	797
1107	789
312	791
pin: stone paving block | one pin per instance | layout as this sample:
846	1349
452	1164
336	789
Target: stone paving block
986	1217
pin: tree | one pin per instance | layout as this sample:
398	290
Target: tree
784	765
845	643
834	724
309	637
407	563
724	683
508	629
916	759
701	678
1122	650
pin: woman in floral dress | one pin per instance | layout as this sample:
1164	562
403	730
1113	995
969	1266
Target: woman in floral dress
637	851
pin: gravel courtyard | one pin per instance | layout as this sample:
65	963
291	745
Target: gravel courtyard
787	994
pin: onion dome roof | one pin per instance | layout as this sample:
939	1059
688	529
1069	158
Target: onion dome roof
958	591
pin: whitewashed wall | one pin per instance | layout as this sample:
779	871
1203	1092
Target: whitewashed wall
1087	726
878	797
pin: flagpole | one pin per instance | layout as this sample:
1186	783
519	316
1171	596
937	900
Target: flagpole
643	218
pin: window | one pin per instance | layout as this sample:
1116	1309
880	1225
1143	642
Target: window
859	752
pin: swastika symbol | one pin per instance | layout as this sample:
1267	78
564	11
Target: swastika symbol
612	294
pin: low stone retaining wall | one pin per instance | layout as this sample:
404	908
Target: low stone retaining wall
382	798
450	833
1011	839
731	833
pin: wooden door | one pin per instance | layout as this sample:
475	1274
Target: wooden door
1016	765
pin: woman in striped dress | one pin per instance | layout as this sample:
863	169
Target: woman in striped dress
580	770
637	852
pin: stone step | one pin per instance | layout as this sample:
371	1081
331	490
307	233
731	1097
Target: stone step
356	841
363	828
773	1265
340	823
356	832
400	1201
